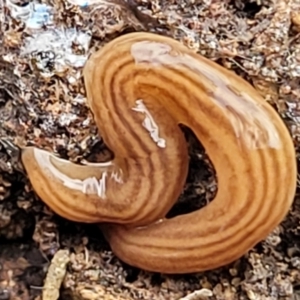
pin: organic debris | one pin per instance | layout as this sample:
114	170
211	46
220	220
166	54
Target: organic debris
44	45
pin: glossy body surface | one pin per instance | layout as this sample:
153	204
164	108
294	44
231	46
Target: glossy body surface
140	87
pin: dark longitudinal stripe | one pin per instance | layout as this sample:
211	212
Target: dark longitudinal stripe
109	100
117	85
117	101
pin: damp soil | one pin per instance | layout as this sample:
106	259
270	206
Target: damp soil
42	103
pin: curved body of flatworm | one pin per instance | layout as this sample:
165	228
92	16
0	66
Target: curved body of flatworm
140	87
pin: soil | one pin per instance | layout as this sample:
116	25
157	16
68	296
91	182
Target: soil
42	103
